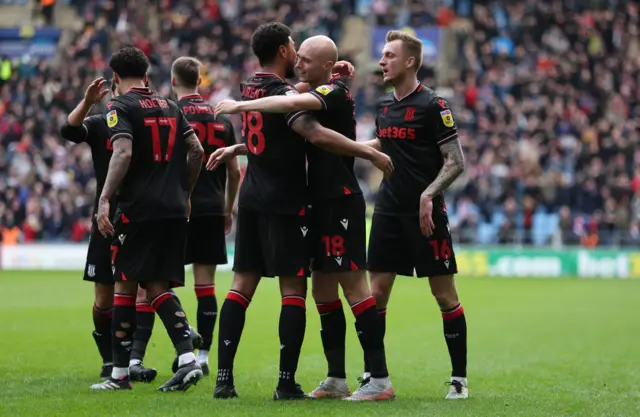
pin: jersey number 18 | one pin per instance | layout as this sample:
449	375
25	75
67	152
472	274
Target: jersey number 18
252	130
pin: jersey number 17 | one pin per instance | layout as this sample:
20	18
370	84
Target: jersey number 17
158	140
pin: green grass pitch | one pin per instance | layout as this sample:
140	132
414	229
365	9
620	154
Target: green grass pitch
536	348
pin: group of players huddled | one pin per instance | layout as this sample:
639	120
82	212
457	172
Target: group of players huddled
167	181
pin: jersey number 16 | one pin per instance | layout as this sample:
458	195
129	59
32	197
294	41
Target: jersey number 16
252	130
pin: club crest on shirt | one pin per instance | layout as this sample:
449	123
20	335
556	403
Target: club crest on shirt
324	89
112	118
447	118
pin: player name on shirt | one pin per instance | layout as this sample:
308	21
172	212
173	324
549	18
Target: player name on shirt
155	184
331	175
208	196
411	131
275	180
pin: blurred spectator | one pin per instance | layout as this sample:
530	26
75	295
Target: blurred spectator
545	94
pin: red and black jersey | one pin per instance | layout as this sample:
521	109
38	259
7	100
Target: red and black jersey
331	175
155	186
95	133
276	178
208	196
411	131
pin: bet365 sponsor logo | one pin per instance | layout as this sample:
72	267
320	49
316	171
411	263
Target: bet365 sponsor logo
601	265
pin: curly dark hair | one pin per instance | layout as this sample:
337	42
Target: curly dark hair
129	62
267	39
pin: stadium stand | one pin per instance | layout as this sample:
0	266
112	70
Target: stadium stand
546	94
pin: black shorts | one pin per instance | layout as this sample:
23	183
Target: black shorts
98	266
206	241
339	234
150	251
275	245
397	245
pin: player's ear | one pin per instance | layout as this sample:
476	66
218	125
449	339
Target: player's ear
329	65
283	51
145	79
116	78
199	81
411	62
173	81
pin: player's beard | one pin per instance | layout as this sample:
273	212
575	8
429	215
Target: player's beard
290	72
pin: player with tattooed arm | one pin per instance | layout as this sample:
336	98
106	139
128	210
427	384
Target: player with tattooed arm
154	167
93	130
410	228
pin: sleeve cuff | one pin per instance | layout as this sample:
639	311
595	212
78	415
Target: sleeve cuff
320	98
449	138
292	117
121	136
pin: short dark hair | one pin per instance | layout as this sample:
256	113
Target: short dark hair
187	71
267	39
129	62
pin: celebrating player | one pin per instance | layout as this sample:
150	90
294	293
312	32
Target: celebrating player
337	223
211	213
154	180
272	226
93	131
410	229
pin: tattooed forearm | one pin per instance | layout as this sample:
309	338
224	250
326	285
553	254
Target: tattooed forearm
118	167
195	154
330	140
452	168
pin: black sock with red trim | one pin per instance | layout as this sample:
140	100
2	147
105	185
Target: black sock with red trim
293	321
232	317
455	334
333	334
371	335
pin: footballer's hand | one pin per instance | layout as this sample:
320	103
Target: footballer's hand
96	91
220	156
226	107
344	69
104	224
228	223
383	162
427	226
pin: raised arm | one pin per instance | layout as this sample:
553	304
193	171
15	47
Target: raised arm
75	130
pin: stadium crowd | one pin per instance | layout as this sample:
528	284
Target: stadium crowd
547	102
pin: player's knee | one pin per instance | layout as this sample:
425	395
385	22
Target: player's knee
203	274
154	289
355	287
141	297
446	299
293	286
381	290
324	287
245	283
104	296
